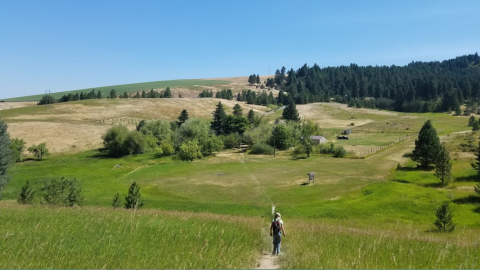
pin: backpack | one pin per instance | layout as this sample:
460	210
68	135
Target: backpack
276	226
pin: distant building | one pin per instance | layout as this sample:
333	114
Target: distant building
319	139
347	132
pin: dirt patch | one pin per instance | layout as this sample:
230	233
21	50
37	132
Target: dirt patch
267	261
13	105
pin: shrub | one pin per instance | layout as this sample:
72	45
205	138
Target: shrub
134	143
189	150
339	152
232	140
211	144
17	146
39	151
63	191
116	201
326	148
114	140
27	194
167	148
261	149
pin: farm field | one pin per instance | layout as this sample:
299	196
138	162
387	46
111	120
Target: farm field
359	213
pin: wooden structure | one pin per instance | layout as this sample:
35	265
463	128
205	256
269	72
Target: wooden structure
318	139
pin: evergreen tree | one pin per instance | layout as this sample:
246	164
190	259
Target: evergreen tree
99	95
167	93
125	95
427	146
443	166
116	201
471	120
113	93
237	110
5	156
476	164
444	222
290	112
137	95
183	117
251	116
144	95
257	79
27	194
476	125
133	198
219	119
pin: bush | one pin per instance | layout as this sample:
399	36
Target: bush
63	191
211	144
116	201
17	146
27	194
167	148
114	140
190	150
134	143
232	140
261	149
39	151
339	152
326	148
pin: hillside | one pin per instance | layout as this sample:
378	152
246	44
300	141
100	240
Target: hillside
188	88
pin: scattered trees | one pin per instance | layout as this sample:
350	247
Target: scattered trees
63	191
427	146
39	151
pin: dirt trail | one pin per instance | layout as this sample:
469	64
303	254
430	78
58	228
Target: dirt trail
267	261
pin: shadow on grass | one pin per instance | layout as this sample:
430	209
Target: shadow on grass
408	155
401	181
298	158
477	210
470	178
102	153
407	169
432	185
304	184
468	200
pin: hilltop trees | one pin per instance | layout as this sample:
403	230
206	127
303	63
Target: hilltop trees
5	155
427	146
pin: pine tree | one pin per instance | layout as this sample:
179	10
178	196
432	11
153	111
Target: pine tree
133	198
99	94
290	112
237	110
113	93
116	201
444	222
257	79
427	146
219	119
125	95
27	194
476	164
476	125
5	156
251	116
443	166
167	93
471	120
144	95
183	117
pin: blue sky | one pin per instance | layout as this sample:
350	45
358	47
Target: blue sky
67	45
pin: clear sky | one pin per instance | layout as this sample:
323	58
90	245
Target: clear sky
61	45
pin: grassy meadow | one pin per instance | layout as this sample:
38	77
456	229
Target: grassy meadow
370	212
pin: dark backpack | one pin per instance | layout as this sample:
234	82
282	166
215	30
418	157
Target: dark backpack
276	226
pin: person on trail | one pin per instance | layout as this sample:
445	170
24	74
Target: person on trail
276	230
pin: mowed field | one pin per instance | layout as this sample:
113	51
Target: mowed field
359	213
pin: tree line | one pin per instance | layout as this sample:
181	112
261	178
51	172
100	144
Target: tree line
48	99
416	87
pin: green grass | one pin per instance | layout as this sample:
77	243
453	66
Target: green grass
40	237
129	88
327	245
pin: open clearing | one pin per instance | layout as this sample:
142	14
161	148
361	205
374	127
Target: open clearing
356	215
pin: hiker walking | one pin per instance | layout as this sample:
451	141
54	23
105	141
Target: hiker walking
276	230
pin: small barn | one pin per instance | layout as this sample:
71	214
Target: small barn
319	139
347	132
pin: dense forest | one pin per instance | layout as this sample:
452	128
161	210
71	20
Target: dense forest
416	87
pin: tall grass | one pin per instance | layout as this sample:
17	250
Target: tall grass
40	237
320	245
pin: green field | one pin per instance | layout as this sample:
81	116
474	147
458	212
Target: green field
129	88
359	213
